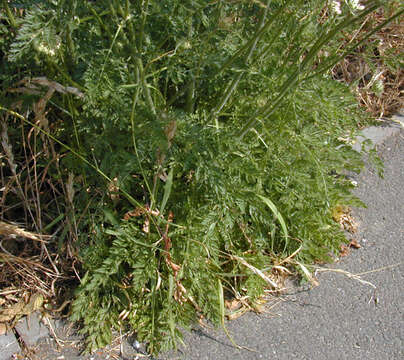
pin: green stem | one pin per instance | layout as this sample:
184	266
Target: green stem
328	66
141	30
189	107
67	77
253	40
177	95
145	86
228	92
267	47
272	105
120	26
132	121
252	45
98	17
125	14
10	15
259	27
70	46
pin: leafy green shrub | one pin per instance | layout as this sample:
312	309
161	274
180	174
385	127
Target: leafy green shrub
197	141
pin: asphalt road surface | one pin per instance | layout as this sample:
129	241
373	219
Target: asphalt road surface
342	318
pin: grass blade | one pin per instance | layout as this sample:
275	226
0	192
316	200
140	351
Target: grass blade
256	271
222	313
167	190
171	320
308	275
278	215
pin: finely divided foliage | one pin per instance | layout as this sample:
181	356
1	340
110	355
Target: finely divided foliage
195	133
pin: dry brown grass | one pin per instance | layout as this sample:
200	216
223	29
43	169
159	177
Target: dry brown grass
26	269
31	262
377	81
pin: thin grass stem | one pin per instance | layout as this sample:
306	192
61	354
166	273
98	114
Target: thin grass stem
81	157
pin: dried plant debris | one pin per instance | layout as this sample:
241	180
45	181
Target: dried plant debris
344	250
13	231
353	243
26	278
21	308
375	70
342	214
32	86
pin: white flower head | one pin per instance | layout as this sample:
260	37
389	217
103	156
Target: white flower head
336	7
355	5
48	49
42	47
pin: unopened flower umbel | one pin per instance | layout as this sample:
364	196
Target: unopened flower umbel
355	5
336	7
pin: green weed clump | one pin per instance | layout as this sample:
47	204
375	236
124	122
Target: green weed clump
180	146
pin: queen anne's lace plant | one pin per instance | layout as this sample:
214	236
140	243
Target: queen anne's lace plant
206	147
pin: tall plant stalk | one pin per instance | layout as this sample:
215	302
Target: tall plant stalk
293	80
